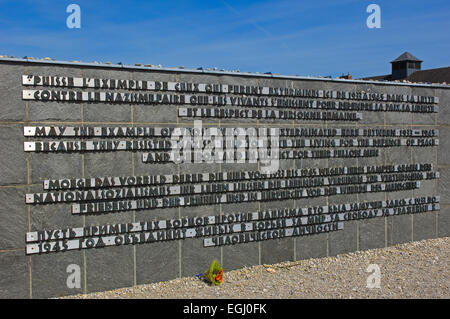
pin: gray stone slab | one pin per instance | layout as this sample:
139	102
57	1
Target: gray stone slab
238	80
109	268
283	164
424	155
310	202
53	70
444	184
141	168
444	100
399	229
427	188
39	111
14	275
151	75
101	164
156	113
444	221
342	199
444	145
12	156
240	255
13	217
398	155
109	218
424	226
277	250
50	274
374	118
106	73
342	162
398	117
343	241
156	214
368	197
53	111
276	204
13	108
274	83
237	167
107	164
313	246
423	118
401	118
388	117
195	258
204	210
239	208
199	78
157	262
369	161
311	85
54	166
311	162
96	112
372	233
52	216
106	112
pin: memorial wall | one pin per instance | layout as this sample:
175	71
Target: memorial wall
114	176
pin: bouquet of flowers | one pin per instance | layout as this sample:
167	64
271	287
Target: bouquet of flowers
213	275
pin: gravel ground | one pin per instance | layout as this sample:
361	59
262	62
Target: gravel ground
413	270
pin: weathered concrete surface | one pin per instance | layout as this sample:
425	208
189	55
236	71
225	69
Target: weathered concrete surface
42	276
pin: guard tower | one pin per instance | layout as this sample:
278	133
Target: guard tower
405	65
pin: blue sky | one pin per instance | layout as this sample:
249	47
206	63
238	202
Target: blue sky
309	38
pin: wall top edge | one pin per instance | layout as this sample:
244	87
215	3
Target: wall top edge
212	72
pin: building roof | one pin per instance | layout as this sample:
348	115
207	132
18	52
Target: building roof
439	75
406	56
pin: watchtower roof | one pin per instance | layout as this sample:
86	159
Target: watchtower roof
407	57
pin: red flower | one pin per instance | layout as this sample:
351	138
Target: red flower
214	274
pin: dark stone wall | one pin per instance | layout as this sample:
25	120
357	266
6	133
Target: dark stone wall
43	276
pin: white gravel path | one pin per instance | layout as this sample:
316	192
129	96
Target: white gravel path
412	270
